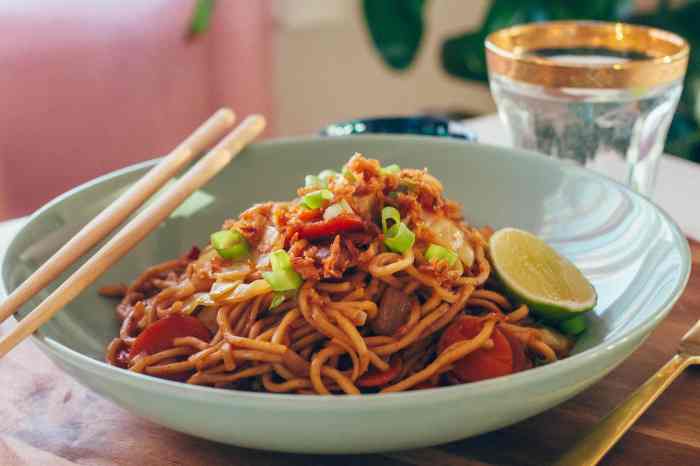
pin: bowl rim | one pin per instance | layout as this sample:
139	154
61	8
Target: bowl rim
415	397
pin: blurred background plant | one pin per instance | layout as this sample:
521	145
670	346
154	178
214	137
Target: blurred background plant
397	27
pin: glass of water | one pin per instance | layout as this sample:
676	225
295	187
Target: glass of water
595	93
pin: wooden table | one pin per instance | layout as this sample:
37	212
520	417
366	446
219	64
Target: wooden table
48	419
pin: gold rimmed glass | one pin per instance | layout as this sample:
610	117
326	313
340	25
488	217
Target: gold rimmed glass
589	91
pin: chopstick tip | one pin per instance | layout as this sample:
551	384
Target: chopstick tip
227	115
255	121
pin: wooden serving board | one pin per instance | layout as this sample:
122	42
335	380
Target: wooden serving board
48	419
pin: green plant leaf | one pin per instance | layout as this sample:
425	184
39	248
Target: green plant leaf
683	136
396	28
604	10
201	17
505	13
463	55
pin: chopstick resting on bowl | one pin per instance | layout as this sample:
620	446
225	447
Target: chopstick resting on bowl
99	227
137	229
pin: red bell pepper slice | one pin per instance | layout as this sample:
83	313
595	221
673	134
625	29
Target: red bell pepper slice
159	335
310	215
483	363
375	378
520	360
343	223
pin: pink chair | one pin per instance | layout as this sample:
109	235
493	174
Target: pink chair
88	89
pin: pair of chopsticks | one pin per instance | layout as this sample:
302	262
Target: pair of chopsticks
134	231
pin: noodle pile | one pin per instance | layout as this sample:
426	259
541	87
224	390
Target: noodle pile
365	319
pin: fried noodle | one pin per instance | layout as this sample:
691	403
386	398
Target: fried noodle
366	319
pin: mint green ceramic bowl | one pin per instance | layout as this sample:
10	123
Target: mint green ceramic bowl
632	252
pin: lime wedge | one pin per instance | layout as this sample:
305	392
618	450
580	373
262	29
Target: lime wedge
537	275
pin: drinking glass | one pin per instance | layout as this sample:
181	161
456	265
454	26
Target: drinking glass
589	91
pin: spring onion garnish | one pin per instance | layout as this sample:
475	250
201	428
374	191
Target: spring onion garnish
277	299
313	181
390	213
336	209
283	277
325	175
230	244
314	200
573	325
390	169
399	238
436	252
348	174
279	260
283	280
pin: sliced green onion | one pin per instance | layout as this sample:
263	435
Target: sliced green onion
325	175
574	325
313	181
390	213
279	260
436	252
277	299
348	174
283	277
390	169
336	209
314	200
283	280
399	238
230	244
221	289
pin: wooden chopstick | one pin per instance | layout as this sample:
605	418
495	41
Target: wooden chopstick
137	229
104	223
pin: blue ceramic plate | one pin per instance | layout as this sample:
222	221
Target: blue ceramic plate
418	125
632	252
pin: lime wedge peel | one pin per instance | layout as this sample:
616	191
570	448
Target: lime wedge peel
535	274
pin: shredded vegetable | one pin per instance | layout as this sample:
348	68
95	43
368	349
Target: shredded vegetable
337	209
313	181
436	252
